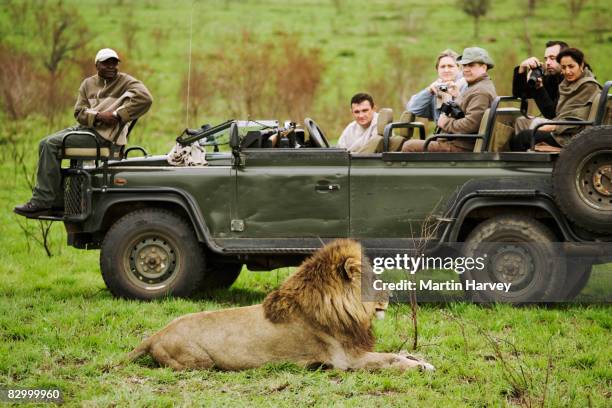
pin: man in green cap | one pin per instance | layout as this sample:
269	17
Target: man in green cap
108	102
477	98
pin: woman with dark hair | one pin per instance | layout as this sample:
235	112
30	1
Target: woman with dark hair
576	93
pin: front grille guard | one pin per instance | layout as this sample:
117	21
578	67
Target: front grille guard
77	194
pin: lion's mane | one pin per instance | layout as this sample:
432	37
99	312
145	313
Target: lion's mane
326	292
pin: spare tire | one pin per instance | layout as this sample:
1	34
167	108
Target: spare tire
582	180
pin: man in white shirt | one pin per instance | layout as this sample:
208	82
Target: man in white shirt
359	132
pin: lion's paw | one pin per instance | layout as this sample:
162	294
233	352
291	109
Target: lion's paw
416	361
423	366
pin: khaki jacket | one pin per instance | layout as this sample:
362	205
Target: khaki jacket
123	94
473	102
575	100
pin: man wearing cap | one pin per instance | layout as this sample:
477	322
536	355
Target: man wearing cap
473	102
107	102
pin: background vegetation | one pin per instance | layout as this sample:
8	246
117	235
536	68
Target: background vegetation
59	327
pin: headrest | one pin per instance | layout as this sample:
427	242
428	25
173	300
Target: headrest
385	116
406	117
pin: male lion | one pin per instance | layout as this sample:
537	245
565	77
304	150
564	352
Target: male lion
315	318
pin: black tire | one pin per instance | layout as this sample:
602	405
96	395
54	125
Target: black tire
578	275
582	179
521	251
219	274
171	259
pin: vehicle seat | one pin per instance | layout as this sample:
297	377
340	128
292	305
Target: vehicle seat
593	117
503	129
106	151
606	118
407	117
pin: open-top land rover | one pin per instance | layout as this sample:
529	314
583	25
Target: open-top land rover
545	217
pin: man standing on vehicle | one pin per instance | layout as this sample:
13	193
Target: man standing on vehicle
358	133
467	114
539	81
107	103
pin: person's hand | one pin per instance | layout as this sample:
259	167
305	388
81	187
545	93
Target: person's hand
443	121
539	83
433	88
529	63
107	118
453	90
547	128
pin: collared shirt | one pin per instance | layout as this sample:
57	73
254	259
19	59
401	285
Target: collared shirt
354	136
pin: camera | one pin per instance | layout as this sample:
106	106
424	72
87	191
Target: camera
536	73
452	110
443	87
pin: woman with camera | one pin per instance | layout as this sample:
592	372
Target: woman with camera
576	93
447	86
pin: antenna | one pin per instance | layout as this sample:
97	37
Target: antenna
189	67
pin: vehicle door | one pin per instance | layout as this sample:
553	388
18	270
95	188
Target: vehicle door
289	194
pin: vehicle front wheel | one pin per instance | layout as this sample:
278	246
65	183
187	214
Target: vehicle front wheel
152	253
517	250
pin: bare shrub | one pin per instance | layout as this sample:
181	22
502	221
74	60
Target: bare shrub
40	233
531	5
574	8
160	37
402	75
338	5
129	29
599	20
256	78
526	37
413	22
83	65
504	71
298	75
200	87
18	12
62	32
475	9
19	83
242	76
335	112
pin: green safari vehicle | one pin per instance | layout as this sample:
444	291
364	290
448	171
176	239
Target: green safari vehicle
169	230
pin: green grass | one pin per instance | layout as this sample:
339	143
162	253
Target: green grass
60	327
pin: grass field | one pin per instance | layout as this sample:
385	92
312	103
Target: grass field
60	327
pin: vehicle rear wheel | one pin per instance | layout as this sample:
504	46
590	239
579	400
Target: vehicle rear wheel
219	274
517	250
582	179
149	254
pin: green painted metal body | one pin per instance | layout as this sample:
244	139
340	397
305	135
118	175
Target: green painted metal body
291	198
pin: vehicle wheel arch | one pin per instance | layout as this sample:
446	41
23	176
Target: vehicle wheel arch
114	208
479	209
